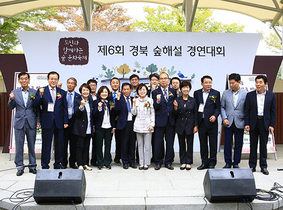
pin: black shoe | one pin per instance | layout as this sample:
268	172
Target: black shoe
265	171
145	168
108	166
100	167
117	162
227	166
188	167
74	166
182	168
236	166
141	168
202	166
58	167
169	166
253	169
64	167
94	163
125	166
33	171
132	165
20	172
157	167
211	167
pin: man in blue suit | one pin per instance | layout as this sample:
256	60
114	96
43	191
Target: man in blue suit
163	98
52	103
208	102
25	122
125	123
260	116
71	96
233	118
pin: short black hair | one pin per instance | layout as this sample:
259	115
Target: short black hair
84	85
52	72
261	76
205	77
114	78
235	76
125	84
72	78
154	75
91	81
23	73
140	87
185	83
100	90
133	76
177	78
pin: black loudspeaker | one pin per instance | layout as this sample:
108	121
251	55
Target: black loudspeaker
59	186
234	185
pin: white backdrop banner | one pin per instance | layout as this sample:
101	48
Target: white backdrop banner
103	55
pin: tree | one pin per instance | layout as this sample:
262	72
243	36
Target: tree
151	68
124	69
171	19
105	18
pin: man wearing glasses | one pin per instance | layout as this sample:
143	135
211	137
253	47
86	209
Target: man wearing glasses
163	98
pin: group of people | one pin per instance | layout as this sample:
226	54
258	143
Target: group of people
144	121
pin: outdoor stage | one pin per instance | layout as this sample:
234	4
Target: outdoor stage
134	189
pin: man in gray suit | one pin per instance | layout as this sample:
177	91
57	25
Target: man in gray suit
25	122
233	116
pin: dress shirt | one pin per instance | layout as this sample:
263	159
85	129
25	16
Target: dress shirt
133	93
87	108
72	97
25	95
93	97
260	103
106	117
52	91
130	116
235	97
205	95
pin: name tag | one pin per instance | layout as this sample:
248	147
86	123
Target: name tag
50	107
201	108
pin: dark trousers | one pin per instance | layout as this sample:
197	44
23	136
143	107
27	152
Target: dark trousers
208	135
238	144
128	142
69	138
118	145
47	136
260	132
82	153
93	151
106	135
159	132
19	144
186	147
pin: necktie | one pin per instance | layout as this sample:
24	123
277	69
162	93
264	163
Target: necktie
128	105
53	95
114	97
165	93
70	103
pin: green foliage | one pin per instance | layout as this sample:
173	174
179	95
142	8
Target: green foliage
137	64
151	68
172	71
22	22
109	74
193	76
104	67
171	19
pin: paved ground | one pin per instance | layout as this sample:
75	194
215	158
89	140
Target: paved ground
134	189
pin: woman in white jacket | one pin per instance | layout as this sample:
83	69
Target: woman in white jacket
144	124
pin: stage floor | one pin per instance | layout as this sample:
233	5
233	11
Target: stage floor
135	189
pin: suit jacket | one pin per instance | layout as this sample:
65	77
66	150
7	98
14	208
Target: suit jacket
121	108
81	119
114	113
98	115
22	111
164	107
210	108
186	117
77	95
60	114
231	112
269	110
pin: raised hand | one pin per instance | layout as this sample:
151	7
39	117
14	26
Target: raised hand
158	98
118	96
12	96
41	91
83	103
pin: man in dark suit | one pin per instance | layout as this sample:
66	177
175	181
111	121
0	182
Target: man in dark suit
163	98
208	102
115	86
125	124
52	103
25	122
260	115
71	96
